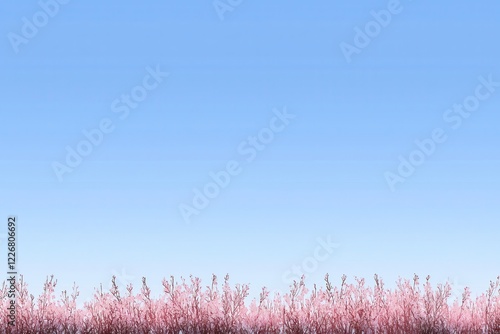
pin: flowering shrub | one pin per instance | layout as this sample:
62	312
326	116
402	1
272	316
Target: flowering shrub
189	308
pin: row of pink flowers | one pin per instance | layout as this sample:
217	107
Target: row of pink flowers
187	307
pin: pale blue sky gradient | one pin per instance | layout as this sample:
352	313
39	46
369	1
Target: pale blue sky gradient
323	175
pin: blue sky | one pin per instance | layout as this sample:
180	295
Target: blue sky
322	176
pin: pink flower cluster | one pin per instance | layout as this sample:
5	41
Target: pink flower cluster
189	308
